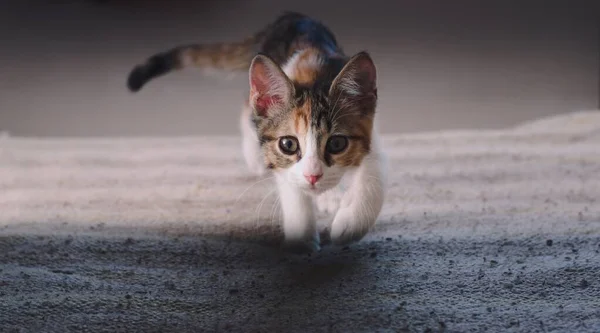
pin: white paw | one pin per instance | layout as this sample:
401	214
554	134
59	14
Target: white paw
301	246
329	202
349	227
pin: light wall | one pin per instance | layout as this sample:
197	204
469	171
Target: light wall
442	64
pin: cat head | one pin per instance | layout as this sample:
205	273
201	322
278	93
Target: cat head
311	134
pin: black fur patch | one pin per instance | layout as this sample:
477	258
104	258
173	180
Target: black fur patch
265	139
292	31
157	65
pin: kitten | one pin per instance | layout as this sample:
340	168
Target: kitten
308	119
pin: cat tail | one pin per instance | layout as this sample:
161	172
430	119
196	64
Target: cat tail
229	57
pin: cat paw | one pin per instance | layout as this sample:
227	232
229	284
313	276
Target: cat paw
302	244
329	202
302	247
348	227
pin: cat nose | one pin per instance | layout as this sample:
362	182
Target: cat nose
313	179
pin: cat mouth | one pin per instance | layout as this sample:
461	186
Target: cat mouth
315	189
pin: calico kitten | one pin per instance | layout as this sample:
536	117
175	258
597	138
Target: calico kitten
309	119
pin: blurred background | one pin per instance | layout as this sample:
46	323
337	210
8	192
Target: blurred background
442	64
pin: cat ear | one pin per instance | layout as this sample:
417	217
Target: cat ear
270	89
357	82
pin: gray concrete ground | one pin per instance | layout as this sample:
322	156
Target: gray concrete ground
387	284
481	231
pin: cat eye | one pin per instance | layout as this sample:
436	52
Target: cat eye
336	144
288	145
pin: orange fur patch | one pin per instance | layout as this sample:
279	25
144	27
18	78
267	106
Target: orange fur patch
306	67
301	118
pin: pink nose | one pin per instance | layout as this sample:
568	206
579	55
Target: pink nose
313	179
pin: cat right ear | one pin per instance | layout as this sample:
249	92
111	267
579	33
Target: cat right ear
270	89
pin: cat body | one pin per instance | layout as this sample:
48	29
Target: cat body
308	119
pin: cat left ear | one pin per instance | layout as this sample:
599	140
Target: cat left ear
270	89
357	81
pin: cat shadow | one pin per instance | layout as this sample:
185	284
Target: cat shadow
310	269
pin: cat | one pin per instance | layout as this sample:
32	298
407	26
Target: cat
308	119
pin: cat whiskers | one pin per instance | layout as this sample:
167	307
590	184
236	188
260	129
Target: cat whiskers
249	187
375	177
379	182
258	209
275	209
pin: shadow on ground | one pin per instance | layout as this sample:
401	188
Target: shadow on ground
179	284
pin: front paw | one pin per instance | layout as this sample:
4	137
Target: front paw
349	227
302	246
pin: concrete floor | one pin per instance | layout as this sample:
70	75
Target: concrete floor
387	284
480	232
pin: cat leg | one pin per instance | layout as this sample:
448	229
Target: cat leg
250	144
299	222
361	203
